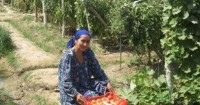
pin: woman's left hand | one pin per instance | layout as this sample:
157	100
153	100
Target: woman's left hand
109	87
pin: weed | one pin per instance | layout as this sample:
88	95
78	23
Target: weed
39	100
12	60
135	61
6	44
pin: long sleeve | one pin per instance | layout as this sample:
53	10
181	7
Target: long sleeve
94	66
65	79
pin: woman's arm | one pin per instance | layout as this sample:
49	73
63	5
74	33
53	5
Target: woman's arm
94	66
65	80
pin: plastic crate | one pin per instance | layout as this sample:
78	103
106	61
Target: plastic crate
107	99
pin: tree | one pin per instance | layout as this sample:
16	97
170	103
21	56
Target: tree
87	17
36	10
12	2
63	18
44	12
3	2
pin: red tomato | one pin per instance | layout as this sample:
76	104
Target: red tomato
110	97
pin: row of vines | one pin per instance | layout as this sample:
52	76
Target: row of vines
170	28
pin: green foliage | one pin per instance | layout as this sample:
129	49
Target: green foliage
187	89
80	14
6	44
53	9
24	5
136	60
182	40
182	43
142	23
146	90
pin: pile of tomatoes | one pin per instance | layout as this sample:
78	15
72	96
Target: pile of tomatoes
110	99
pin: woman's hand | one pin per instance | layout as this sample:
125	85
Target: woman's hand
109	87
80	99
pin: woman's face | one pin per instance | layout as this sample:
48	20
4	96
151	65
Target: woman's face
82	43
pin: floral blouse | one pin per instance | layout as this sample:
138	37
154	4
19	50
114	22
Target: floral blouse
76	77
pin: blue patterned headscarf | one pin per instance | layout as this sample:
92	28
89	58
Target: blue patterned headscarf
77	35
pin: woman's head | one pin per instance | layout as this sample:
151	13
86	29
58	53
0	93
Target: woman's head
81	40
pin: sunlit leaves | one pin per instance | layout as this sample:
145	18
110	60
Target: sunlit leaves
188	70
173	22
132	86
176	10
193	19
181	26
193	48
186	15
142	24
182	37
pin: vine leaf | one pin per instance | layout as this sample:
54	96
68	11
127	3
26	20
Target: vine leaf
173	22
182	37
176	11
194	48
187	71
193	20
132	86
198	43
186	15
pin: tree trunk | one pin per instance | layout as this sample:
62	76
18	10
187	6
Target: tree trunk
63	18
36	10
3	2
86	14
44	13
12	2
169	68
98	16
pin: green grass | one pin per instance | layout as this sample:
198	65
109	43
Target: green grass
25	76
103	64
5	100
12	60
46	38
28	18
41	101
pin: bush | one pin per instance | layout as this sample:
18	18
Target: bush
145	89
6	44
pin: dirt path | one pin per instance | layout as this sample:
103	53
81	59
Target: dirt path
30	60
30	56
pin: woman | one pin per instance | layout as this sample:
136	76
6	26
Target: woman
80	74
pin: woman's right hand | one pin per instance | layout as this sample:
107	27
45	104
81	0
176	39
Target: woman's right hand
80	99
